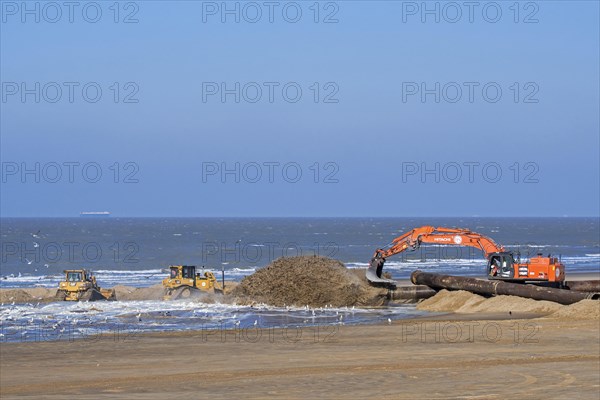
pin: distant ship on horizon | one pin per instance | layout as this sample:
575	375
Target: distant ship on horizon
94	214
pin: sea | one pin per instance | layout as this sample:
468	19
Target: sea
138	251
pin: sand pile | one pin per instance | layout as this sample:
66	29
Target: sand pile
15	295
466	302
450	301
155	292
33	295
306	280
584	309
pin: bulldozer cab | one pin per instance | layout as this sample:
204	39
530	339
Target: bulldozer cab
75	276
501	265
183	272
188	271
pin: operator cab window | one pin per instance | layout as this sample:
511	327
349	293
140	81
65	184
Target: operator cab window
188	272
74	276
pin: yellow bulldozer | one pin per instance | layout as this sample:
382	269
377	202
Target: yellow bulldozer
80	285
184	282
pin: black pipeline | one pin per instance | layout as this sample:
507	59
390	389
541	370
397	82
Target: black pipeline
494	288
584	286
412	293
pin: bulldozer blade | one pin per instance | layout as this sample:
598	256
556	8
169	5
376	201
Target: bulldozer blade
108	294
60	295
182	292
92	295
373	275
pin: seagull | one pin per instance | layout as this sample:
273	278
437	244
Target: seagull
36	244
389	321
36	235
255	322
46	265
28	262
139	317
341	317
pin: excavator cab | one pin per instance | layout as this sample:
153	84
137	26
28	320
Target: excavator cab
501	265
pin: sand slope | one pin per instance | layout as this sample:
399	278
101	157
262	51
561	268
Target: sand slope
30	295
461	301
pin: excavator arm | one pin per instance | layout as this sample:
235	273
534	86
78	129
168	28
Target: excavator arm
413	239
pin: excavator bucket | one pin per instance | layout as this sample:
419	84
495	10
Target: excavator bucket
374	272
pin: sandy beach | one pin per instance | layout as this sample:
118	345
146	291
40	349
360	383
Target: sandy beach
483	356
465	346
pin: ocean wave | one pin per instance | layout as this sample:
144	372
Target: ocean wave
67	320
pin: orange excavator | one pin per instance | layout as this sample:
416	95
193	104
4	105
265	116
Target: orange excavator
501	264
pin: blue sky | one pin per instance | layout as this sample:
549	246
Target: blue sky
361	120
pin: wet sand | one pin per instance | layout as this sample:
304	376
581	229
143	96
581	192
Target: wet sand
468	356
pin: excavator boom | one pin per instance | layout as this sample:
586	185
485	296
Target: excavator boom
429	234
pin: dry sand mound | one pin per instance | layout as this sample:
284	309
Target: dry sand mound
30	295
16	295
450	301
461	301
584	309
306	280
154	292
